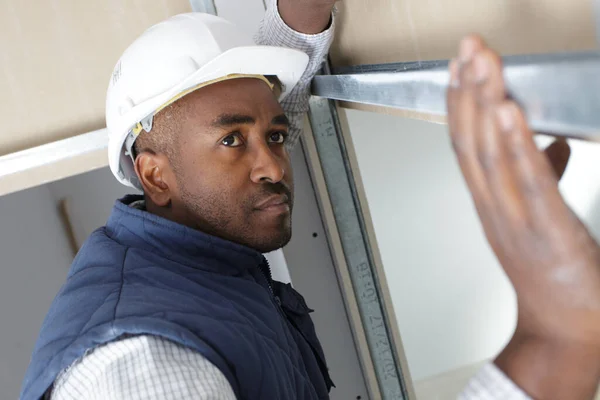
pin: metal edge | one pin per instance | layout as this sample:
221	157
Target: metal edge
365	281
597	19
53	152
509	60
557	91
340	264
204	6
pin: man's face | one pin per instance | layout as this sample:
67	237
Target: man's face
234	178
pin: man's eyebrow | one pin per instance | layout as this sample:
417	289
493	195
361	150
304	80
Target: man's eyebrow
225	120
281	120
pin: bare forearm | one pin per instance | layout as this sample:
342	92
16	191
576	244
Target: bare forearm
547	370
310	17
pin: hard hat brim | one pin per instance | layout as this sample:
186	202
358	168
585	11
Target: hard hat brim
287	64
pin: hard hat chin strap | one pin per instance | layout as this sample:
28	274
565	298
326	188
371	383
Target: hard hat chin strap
146	125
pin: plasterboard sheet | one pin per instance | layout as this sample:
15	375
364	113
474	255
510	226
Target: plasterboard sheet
56	60
383	31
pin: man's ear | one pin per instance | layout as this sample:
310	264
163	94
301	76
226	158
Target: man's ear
156	176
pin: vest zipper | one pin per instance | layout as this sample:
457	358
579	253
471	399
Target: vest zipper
265	269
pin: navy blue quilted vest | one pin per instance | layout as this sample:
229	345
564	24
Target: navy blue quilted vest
142	274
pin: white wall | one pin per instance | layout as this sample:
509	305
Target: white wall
90	198
453	303
246	14
34	260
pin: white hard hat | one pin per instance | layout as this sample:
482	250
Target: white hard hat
173	58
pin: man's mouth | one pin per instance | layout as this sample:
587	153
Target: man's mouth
277	203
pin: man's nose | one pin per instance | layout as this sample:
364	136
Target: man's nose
268	166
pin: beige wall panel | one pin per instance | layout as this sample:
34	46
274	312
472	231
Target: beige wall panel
56	60
437	119
383	31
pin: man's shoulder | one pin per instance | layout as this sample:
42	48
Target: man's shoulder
99	250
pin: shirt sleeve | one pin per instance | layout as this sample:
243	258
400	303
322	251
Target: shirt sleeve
490	383
142	367
273	31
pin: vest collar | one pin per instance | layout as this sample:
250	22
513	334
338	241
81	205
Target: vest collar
140	229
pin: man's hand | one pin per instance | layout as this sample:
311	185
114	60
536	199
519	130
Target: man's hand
306	16
547	253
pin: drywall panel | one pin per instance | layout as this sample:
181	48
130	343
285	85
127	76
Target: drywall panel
381	31
384	31
56	60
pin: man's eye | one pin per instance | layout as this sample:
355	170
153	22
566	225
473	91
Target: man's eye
277	137
232	141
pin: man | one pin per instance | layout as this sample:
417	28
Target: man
173	299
